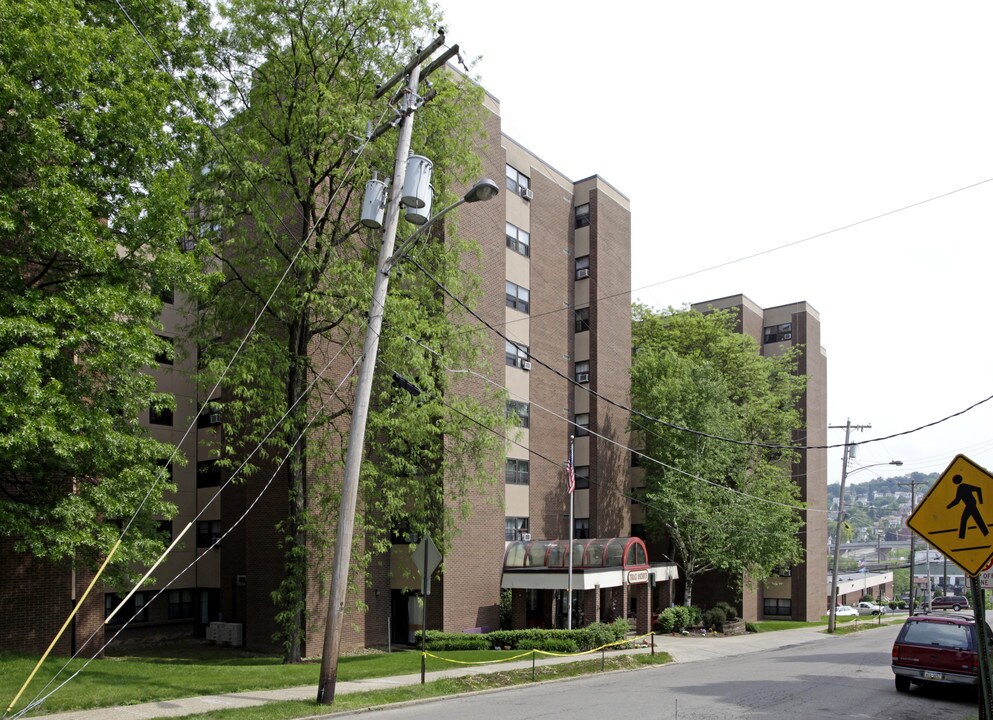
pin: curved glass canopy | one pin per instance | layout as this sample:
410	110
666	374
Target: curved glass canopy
621	552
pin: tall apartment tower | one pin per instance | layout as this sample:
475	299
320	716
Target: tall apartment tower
799	592
550	247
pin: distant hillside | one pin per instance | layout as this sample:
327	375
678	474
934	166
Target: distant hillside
888	485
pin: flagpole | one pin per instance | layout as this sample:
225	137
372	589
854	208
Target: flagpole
572	498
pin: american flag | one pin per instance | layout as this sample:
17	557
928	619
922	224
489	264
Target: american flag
571	472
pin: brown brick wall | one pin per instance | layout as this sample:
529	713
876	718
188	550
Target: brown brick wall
469	596
610	343
551	335
36	598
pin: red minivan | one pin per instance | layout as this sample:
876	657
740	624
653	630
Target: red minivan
936	649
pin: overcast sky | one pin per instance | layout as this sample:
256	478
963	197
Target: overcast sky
739	128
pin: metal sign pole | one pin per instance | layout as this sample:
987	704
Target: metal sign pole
985	688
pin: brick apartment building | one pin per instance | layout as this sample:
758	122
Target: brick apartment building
556	257
798	593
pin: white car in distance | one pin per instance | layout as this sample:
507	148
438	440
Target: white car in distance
868	608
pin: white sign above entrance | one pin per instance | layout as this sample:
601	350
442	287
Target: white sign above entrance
637	576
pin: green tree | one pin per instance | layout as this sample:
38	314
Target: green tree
94	191
301	76
725	506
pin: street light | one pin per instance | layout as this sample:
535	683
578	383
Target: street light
832	611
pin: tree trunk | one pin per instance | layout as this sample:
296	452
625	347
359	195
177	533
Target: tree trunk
295	551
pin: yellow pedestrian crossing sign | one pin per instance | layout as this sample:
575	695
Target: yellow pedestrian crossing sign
956	515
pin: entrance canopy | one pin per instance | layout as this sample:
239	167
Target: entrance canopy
596	562
626	552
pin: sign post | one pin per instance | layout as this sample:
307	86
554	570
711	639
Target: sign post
426	558
985	688
955	516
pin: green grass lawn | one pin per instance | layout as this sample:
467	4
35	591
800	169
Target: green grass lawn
194	669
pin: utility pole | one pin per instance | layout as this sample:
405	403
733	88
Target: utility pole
913	537
360	410
846	455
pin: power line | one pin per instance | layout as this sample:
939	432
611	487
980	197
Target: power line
674	426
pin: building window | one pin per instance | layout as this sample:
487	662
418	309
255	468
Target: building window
208	474
134	609
582	473
518	182
168	296
777	333
165	530
518	240
582	215
582	267
180	604
166	354
581	528
581	371
635	458
518	298
521	411
638	531
582	319
514	528
779	607
518	471
209	416
160	416
516	355
582	424
208	533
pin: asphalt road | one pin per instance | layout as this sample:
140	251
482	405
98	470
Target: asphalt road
837	677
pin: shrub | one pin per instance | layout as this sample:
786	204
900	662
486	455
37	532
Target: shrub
597	634
675	619
506	609
695	615
684	617
549	644
714	618
751	627
441	641
730	613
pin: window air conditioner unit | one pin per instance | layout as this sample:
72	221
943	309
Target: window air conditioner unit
526	365
215	418
526	537
241	580
582	377
582	273
526	193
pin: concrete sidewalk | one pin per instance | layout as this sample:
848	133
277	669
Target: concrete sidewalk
683	649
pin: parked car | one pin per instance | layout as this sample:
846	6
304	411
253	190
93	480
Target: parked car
955	602
940	649
843	610
868	608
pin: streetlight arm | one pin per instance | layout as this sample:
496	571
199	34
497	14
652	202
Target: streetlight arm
482	191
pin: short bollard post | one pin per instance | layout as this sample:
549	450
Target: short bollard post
533	654
653	644
603	653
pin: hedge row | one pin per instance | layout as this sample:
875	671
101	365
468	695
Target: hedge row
586	638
